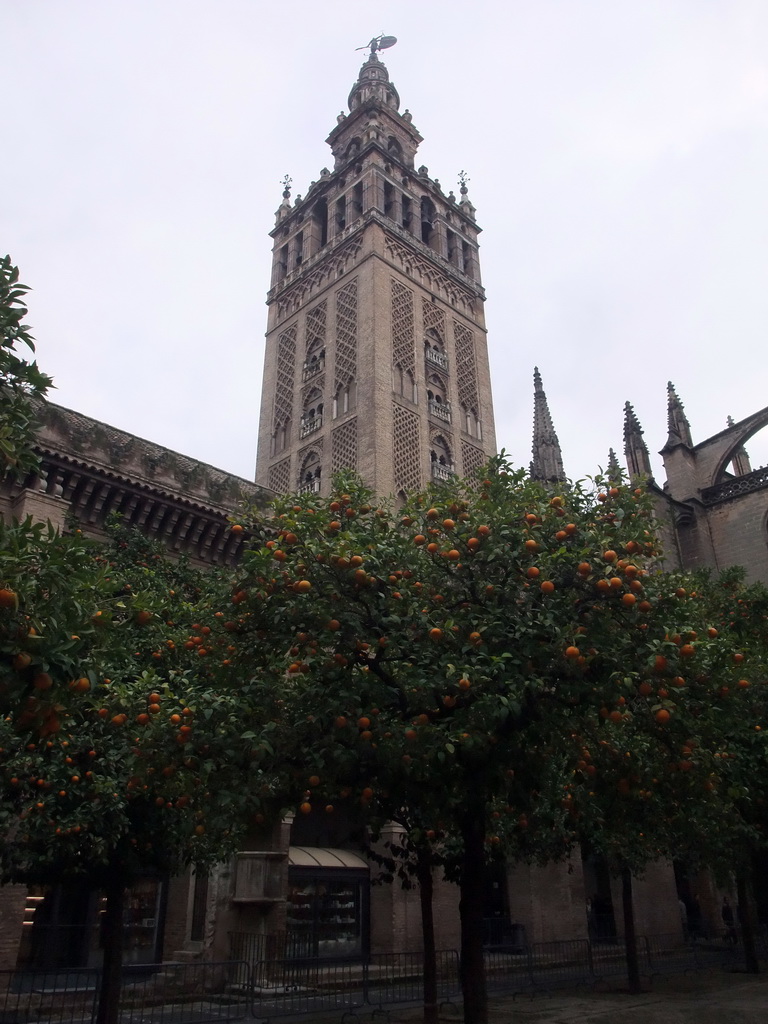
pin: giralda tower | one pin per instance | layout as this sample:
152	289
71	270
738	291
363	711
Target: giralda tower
376	357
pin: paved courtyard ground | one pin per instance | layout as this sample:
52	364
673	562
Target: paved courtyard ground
693	999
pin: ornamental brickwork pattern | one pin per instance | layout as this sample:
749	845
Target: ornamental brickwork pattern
280	476
346	335
403	328
472	458
406	449
344	446
316	324
466	371
428	274
433	318
329	266
286	369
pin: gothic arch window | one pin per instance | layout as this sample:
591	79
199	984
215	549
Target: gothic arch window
428	222
470	421
281	436
437	399
434	349
315	361
312	414
441	457
394	147
344	399
310	476
320	224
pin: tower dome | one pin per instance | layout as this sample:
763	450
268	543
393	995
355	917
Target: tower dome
373	86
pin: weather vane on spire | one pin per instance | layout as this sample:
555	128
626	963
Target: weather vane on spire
380	42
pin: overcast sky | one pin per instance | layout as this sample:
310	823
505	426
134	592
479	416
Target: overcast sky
618	156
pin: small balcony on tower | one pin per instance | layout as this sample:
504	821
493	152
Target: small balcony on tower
437	358
309	426
312	367
440	472
439	409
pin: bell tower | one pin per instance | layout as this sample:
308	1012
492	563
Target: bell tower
376	356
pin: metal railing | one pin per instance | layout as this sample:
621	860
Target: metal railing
206	993
287	988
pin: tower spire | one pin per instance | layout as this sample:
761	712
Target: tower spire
547	462
635	448
679	429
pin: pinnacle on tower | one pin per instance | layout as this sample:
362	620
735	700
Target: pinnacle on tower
614	469
635	448
547	462
677	422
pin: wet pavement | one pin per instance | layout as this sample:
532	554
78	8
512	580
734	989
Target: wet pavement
694	999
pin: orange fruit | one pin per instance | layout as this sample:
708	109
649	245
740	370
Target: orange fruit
662	716
547	587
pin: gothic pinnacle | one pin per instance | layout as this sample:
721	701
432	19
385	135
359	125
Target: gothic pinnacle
635	448
547	462
679	429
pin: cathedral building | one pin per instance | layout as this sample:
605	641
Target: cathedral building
376	361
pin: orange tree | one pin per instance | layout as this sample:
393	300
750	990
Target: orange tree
21	381
117	756
649	779
448	660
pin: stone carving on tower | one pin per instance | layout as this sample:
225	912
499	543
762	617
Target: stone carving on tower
376	356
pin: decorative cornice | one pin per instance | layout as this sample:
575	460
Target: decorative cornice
134	460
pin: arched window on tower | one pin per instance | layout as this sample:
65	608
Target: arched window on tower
441	458
319	229
310	477
437	402
470	421
312	416
428	222
315	361
345	398
434	349
394	148
281	435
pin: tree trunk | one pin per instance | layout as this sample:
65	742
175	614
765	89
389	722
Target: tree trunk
424	876
630	938
745	920
472	885
112	939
